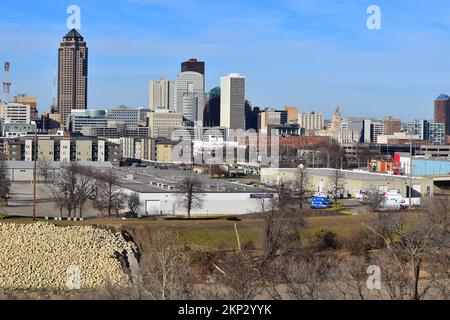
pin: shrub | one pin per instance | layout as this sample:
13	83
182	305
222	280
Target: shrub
325	240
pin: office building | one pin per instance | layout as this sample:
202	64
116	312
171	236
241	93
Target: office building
293	115
162	123
162	94
426	130
442	111
15	113
312	121
125	115
211	117
28	100
84	119
232	101
72	75
391	125
251	116
193	65
371	130
190	97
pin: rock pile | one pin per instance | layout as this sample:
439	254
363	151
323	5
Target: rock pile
42	256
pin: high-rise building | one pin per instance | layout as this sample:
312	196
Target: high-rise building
72	74
442	111
190	97
161	94
251	116
392	125
232	101
211	115
28	100
312	121
193	65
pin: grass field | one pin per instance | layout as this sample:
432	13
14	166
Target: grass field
220	233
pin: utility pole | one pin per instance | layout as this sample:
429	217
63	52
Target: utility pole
410	172
34	172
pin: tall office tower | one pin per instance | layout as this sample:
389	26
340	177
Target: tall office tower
392	125
293	115
190	96
28	100
193	65
72	75
442	111
161	94
312	121
232	101
251	116
211	116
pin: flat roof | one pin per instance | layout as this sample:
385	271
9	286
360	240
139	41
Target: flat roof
152	180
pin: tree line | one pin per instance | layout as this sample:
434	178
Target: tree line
74	185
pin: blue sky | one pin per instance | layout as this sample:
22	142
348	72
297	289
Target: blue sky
314	54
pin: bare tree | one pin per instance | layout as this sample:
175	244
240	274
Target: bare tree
236	277
416	243
86	186
300	186
45	169
68	185
281	223
109	196
5	182
190	194
350	278
57	194
165	277
336	177
134	204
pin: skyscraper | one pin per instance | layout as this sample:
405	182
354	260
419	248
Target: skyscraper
232	101
161	94
442	111
211	117
190	96
193	65
72	74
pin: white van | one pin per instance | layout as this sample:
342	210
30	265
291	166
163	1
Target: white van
392	201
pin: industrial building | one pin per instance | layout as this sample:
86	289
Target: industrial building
323	180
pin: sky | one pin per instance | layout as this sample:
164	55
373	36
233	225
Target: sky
314	54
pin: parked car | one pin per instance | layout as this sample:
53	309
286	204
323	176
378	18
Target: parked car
321	202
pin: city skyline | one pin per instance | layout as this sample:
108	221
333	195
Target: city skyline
331	58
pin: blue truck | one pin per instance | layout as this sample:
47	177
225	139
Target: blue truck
321	202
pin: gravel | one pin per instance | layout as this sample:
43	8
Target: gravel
42	256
